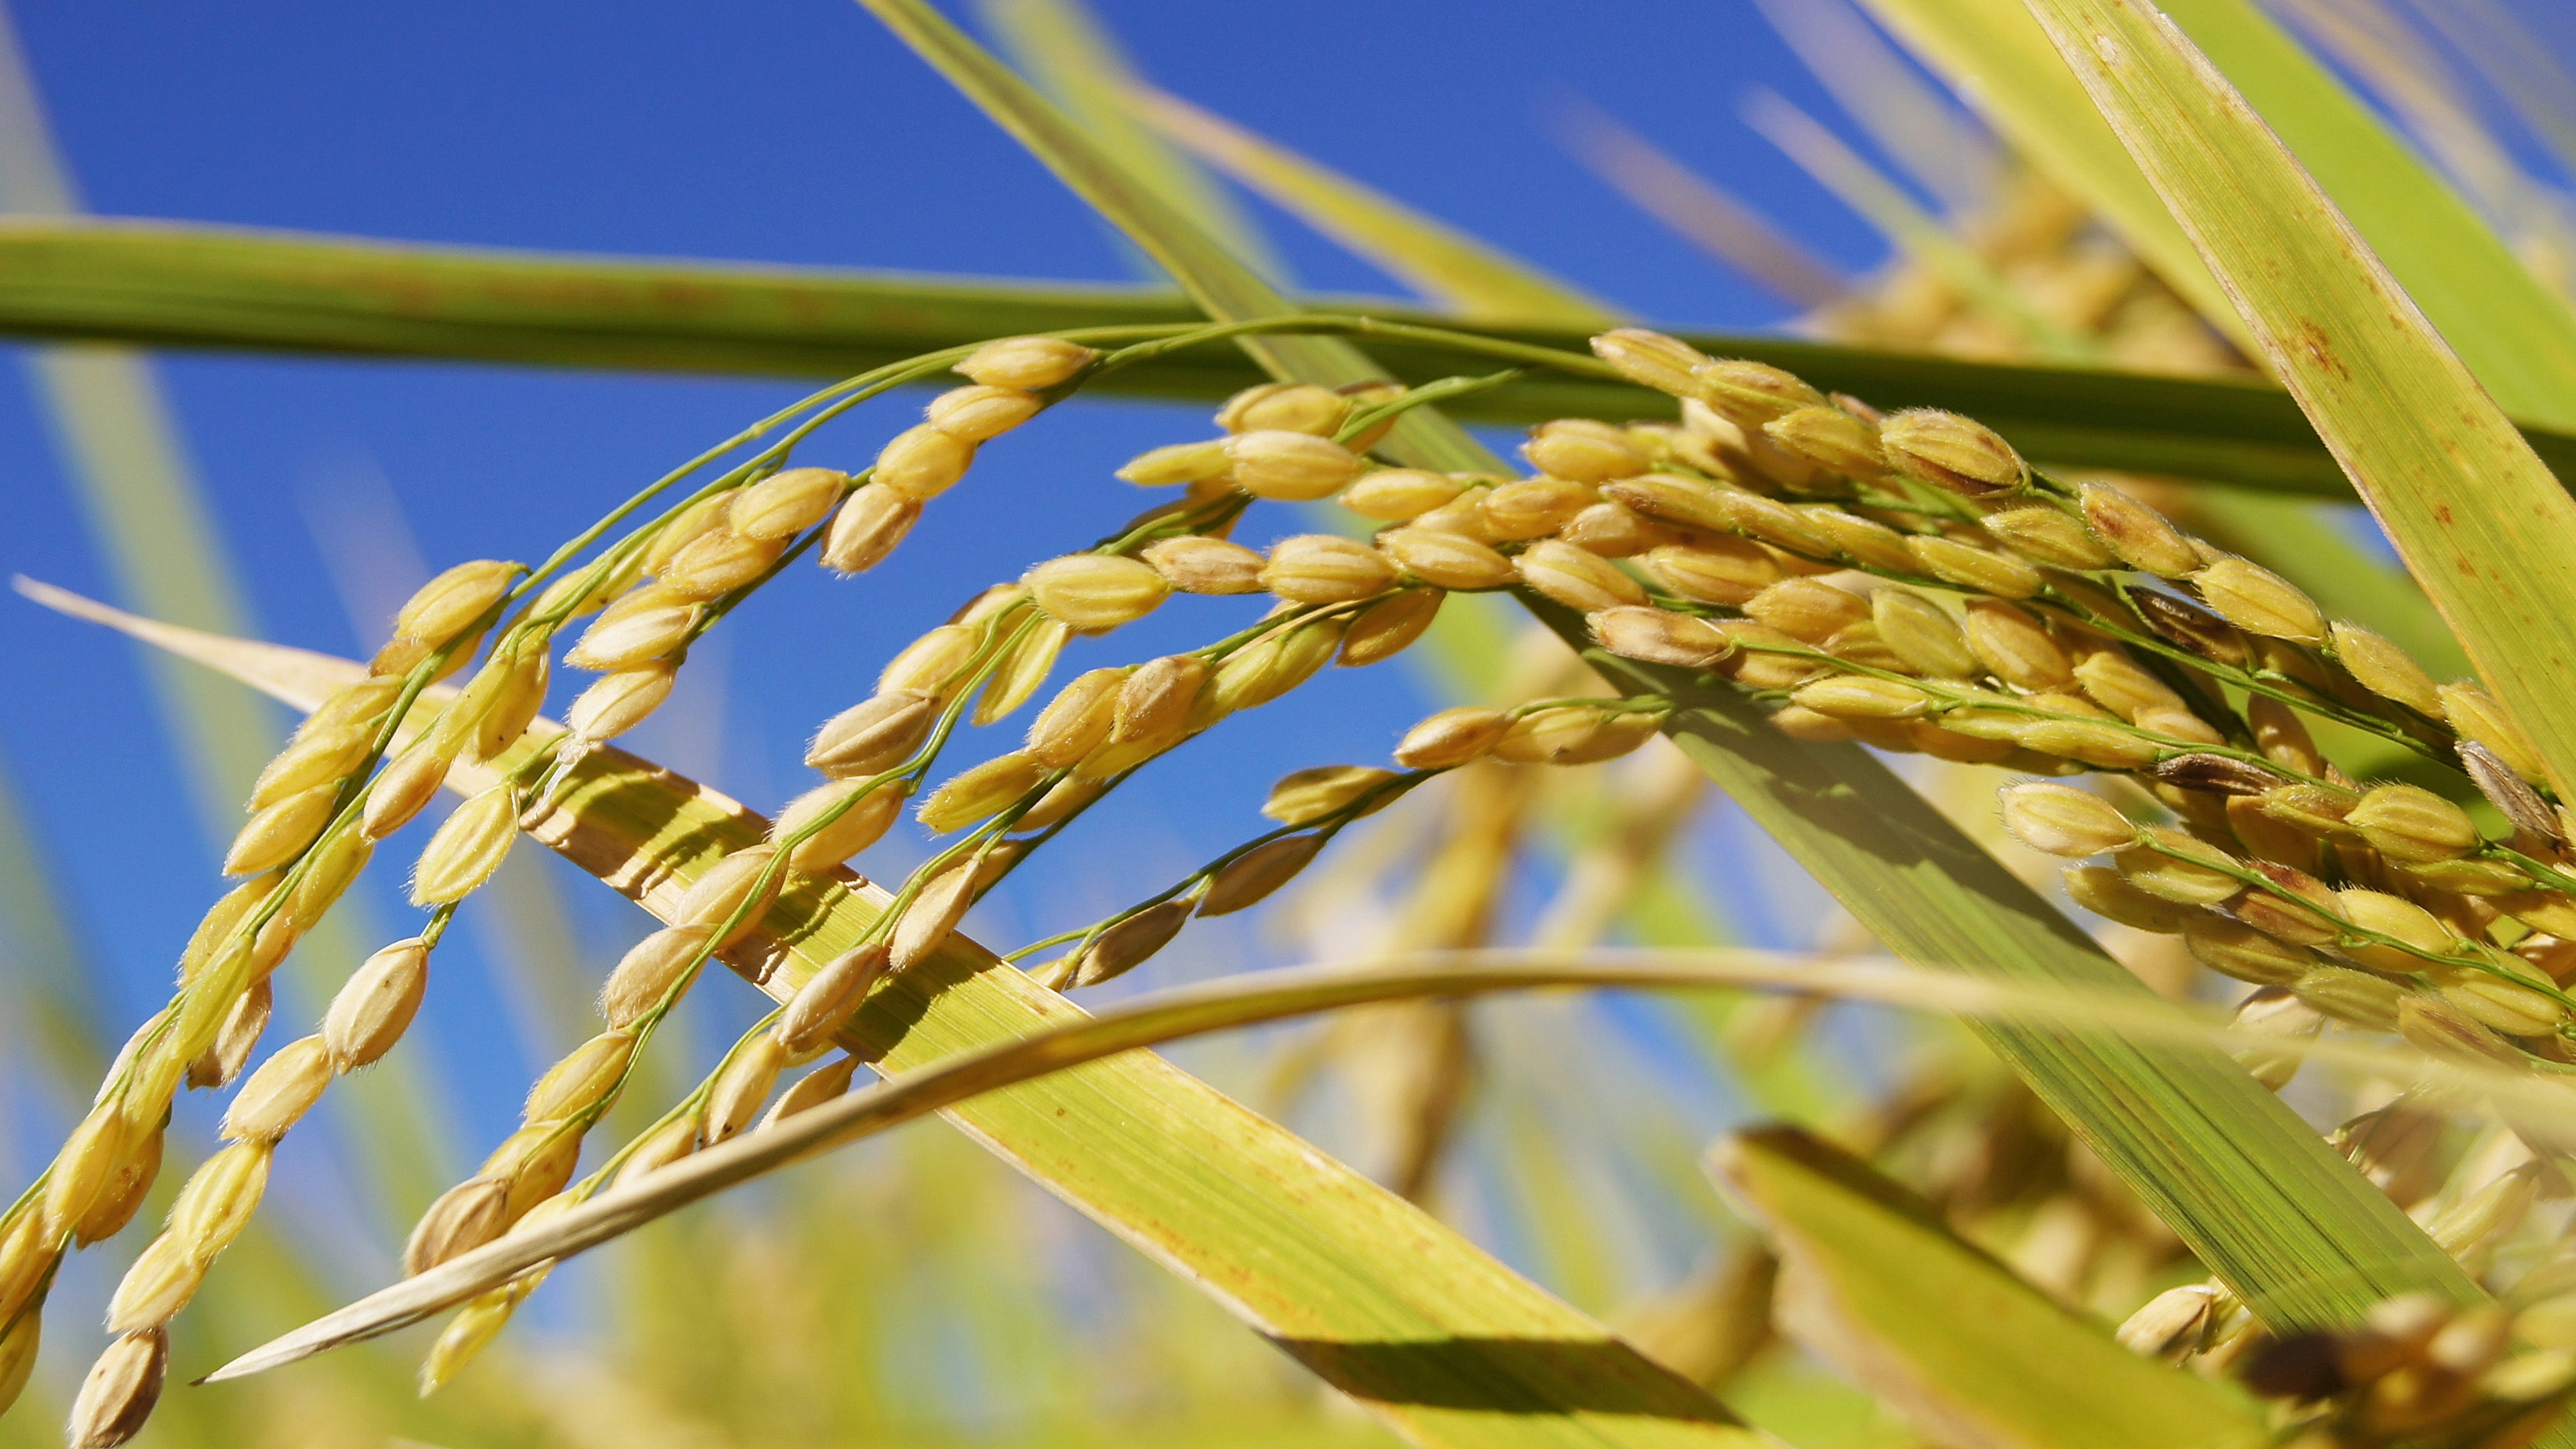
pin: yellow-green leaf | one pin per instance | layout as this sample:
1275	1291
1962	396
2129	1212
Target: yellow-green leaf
1874	1282
2480	520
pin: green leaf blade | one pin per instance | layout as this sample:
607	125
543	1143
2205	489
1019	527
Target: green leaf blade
2479	518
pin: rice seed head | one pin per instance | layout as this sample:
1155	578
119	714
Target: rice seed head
1398	495
1290	467
129	1177
933	662
1613	530
1583	451
869	525
830	997
1078	720
2171	1325
1863	541
786	503
120	1390
534	1162
2347	995
1092	592
2438	1028
1022	670
2016	647
1306	796
1958	455
2298	908
2515	1010
1584	582
1176	463
1321	568
2042	533
1749	394
2179	868
582	1079
2232	948
2411	824
2519	803
1921	633
1031	363
2259	601
873	734
1154	702
2108	894
981	792
218	1199
464	1218
616	641
404	787
616	703
933	914
1978	570
668	1143
1533	507
1659	636
2398	919
2062	820
745	884
1576	735
1807	609
742	1087
19	1342
1251	877
1861	697
374	1007
279	1094
1832	439
1130	943
2477	715
1463	515
981	413
857	827
1195	564
279	833
1389	626
1717	571
1266	669
1651	359
445	606
82	1169
1452	737
1449	560
160	1281
830	1080
1296	407
649	969
318	755
719	561
215	1067
2144	539
501	712
922	462
469	846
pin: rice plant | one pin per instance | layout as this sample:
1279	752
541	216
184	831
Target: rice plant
2005	604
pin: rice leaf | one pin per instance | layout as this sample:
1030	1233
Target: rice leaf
164	285
2248	1185
1376	1297
1874	1282
2476	514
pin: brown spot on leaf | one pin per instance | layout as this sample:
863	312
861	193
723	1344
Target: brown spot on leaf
2320	348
